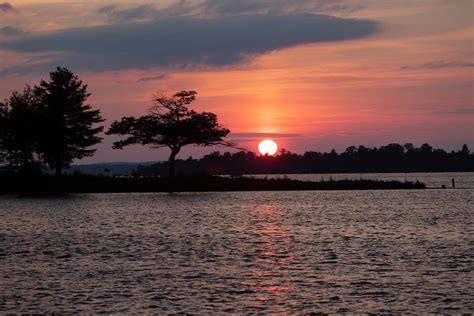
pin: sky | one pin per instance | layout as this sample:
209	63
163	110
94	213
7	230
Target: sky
309	74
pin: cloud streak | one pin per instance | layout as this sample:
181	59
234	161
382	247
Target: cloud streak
214	8
153	78
184	42
10	31
266	135
6	7
440	64
458	111
138	13
229	7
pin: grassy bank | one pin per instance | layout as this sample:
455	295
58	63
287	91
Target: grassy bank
95	184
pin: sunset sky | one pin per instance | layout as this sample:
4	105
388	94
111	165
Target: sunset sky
312	75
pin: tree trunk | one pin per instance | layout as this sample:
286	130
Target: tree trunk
171	162
58	171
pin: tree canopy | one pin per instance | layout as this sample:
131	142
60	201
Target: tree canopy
19	129
49	124
67	122
170	123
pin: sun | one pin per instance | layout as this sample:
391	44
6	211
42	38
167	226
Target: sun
267	147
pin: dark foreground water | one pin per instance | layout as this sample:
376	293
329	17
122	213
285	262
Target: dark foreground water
351	251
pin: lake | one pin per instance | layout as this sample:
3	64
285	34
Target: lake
407	251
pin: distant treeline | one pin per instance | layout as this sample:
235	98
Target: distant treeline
361	159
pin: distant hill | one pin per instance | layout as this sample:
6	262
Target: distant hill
107	168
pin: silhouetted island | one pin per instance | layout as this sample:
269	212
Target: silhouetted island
46	184
48	126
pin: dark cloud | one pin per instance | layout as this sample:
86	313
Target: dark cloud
440	64
10	31
153	78
6	7
184	42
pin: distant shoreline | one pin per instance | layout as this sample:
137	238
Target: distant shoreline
96	184
97	169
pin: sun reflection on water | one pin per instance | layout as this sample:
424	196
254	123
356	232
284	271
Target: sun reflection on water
273	286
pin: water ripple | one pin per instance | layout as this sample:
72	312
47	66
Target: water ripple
239	252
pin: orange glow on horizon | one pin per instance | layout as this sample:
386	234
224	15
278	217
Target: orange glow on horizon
410	81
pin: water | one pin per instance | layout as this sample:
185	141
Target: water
241	252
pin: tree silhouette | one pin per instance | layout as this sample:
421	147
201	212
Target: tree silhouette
67	131
361	159
18	130
3	131
171	124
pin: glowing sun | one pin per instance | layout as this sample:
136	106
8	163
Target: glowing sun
267	147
